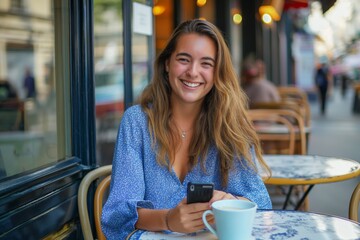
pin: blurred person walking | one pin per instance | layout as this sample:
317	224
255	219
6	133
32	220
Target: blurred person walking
344	84
322	79
29	84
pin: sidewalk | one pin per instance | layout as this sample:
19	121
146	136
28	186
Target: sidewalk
336	134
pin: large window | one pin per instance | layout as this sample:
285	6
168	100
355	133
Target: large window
34	120
109	67
109	75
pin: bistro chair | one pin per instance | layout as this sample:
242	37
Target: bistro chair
285	104
87	181
295	120
299	125
100	193
272	142
354	204
298	96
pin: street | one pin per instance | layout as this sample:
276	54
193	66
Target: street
336	134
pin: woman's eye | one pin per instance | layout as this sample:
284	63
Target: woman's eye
184	60
207	64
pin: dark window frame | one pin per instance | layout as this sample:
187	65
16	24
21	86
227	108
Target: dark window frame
49	195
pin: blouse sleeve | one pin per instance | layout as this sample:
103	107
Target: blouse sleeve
246	182
127	188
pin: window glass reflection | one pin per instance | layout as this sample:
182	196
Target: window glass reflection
109	75
141	55
140	76
28	120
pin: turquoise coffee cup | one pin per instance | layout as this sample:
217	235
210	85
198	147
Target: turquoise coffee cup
234	219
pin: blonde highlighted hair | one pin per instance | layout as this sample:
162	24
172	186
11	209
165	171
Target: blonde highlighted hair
222	120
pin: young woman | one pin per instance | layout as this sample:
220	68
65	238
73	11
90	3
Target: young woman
191	126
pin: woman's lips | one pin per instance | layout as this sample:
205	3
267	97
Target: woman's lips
191	84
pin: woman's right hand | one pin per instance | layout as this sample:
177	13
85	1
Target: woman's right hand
187	218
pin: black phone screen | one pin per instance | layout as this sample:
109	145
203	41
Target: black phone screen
199	192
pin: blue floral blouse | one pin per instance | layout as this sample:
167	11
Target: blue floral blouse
138	181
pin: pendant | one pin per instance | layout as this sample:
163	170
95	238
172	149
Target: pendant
183	134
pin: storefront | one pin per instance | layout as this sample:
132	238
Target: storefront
65	70
68	69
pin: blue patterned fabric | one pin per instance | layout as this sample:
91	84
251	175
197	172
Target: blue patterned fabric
138	181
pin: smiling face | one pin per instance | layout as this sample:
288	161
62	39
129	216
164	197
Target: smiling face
191	68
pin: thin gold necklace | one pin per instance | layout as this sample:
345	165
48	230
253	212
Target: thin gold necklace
183	134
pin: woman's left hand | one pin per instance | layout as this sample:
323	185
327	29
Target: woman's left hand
220	195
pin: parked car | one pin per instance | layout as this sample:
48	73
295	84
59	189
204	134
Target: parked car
109	88
109	92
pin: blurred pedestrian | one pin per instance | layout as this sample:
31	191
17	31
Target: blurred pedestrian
29	84
322	79
344	84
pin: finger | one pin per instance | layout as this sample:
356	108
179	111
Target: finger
211	221
229	196
198	225
197	216
193	225
242	198
210	218
218	195
198	207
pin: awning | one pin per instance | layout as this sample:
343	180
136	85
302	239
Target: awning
291	4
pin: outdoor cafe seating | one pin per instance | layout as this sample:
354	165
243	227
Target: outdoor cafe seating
273	142
99	179
274	138
297	118
274	125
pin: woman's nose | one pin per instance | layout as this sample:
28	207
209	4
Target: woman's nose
192	70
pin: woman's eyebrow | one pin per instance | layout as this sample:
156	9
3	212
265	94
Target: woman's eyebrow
208	58
183	54
188	55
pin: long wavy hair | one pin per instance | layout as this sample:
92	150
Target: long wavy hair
222	120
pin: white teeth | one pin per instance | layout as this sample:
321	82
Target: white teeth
191	84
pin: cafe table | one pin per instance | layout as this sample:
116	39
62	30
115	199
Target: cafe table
309	170
277	224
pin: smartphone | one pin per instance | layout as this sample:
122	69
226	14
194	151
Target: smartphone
199	192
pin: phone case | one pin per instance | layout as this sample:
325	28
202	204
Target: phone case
199	192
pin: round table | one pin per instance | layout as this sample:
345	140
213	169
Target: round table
277	224
308	170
